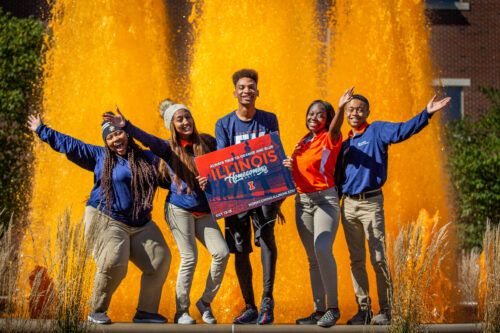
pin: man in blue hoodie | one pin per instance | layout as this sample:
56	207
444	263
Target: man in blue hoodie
365	155
246	123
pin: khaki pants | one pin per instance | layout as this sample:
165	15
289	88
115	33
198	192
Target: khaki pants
113	244
317	217
360	219
186	227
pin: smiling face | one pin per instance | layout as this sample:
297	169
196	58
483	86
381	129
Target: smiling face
183	124
316	118
246	91
117	141
356	112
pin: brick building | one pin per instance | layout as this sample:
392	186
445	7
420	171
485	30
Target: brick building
465	43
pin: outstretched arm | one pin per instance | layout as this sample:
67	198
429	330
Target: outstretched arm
433	107
336	124
398	132
78	152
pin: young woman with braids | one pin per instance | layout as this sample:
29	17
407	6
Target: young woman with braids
118	225
186	208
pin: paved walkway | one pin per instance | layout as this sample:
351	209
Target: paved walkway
40	326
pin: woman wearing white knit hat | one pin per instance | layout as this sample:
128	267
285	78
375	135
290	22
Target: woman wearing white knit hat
186	208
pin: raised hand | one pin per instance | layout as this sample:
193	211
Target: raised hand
34	122
433	106
115	120
346	97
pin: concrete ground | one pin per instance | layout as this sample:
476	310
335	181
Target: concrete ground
41	326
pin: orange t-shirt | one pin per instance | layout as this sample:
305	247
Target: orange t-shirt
314	162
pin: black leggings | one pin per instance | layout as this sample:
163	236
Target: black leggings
268	256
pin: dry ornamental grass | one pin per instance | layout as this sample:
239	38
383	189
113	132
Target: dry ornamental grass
56	289
491	248
414	261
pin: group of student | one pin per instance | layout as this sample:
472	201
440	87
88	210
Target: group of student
119	228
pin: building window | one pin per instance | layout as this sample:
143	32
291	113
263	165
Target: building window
447	5
452	88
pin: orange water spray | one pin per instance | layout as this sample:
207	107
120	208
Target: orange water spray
383	51
104	53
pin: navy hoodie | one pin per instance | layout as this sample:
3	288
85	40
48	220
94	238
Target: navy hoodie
91	158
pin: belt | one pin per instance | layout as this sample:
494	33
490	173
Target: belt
364	195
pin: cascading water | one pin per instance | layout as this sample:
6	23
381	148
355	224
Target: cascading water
105	53
102	53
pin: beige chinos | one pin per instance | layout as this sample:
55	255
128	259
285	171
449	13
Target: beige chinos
186	227
317	216
113	244
360	219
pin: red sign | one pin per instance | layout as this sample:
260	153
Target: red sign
245	176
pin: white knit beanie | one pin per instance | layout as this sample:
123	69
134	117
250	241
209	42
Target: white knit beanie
168	109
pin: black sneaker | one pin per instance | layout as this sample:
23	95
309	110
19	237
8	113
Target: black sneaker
363	317
266	316
311	320
146	317
329	318
247	316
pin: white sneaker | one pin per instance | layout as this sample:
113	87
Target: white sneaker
383	318
184	319
99	318
206	313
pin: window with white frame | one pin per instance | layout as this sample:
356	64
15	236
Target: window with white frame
447	5
452	88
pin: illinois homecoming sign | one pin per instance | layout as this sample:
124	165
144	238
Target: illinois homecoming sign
247	175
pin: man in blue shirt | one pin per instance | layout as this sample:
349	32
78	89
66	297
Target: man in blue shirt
365	155
241	125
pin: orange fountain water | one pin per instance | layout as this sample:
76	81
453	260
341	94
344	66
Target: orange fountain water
382	50
104	53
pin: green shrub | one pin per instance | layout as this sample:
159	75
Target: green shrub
21	42
473	147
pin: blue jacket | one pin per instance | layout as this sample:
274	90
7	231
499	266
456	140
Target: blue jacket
365	154
91	158
193	202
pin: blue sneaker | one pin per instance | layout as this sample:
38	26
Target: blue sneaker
247	316
266	316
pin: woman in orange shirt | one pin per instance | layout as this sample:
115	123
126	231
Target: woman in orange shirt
317	209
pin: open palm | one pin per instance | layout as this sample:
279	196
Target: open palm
115	120
434	106
346	97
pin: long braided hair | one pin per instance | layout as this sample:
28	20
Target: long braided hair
144	177
181	162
